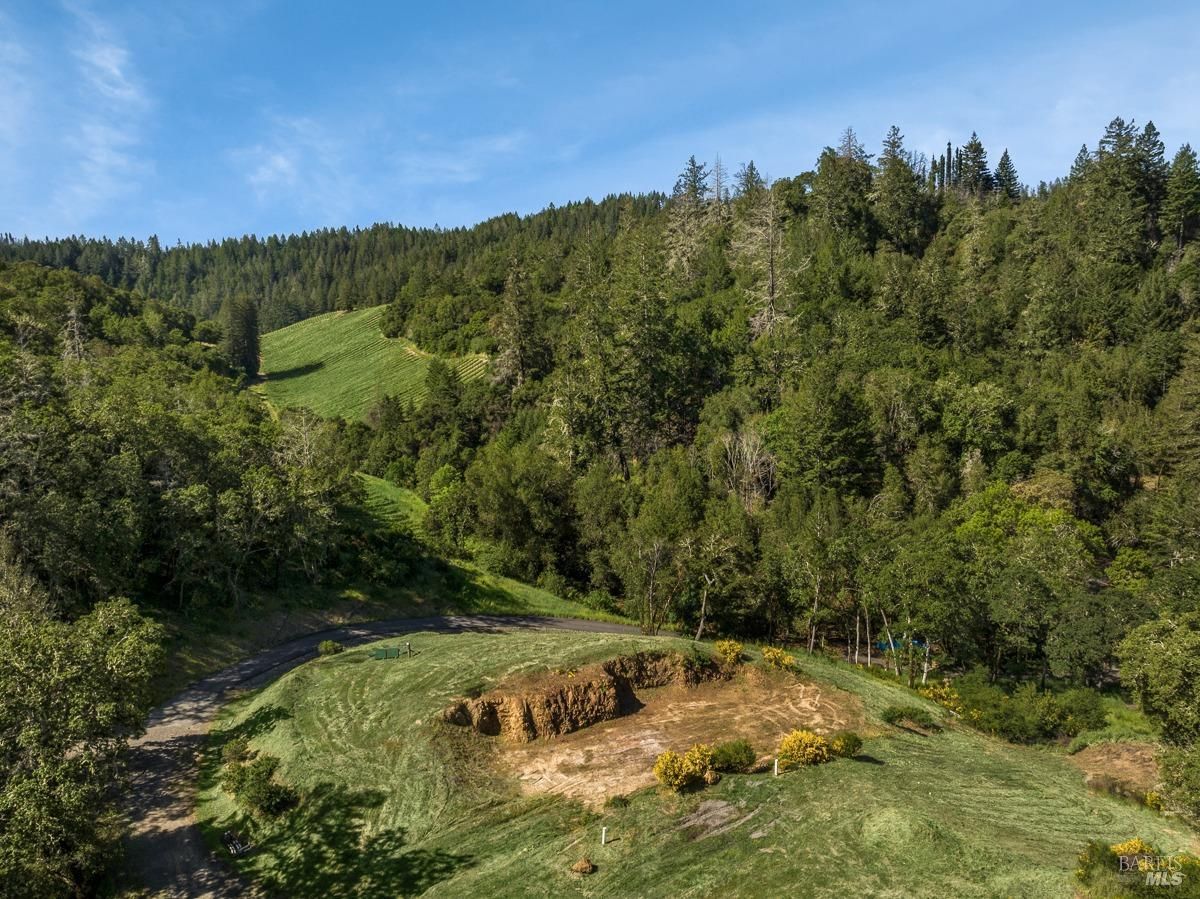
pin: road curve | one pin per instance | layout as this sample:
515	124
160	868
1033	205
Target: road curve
164	847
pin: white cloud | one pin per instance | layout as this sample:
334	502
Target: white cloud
103	165
431	162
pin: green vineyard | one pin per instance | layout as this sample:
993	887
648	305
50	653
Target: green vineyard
339	364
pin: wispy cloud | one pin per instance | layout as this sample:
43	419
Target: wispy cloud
427	161
301	164
14	98
104	165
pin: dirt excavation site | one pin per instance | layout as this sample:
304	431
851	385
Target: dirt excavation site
595	733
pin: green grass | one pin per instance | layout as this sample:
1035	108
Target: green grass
395	803
340	363
390	504
1126	724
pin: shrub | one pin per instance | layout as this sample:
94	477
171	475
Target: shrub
729	652
777	658
698	760
683	772
1080	709
601	601
803	747
944	694
736	755
1028	714
1181	781
255	788
908	714
845	744
1100	870
670	772
236	751
329	647
617	801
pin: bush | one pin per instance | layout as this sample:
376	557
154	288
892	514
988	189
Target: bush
683	772
617	801
734	756
1080	709
698	761
255	788
601	601
846	744
729	652
944	694
236	751
909	714
1028	715
1181	781
329	647
1121	869
670	771
803	747
777	658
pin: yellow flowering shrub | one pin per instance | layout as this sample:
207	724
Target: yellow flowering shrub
777	658
729	652
803	747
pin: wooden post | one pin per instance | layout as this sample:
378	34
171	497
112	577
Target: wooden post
603	835
777	767
408	646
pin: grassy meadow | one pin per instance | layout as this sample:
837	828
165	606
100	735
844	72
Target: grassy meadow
396	803
339	364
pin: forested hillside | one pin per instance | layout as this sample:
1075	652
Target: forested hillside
136	477
886	397
303	275
891	401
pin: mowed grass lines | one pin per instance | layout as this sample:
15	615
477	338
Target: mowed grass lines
399	804
340	363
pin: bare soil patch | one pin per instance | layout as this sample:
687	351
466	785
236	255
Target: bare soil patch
1131	764
552	704
616	757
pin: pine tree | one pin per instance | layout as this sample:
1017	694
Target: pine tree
898	200
1181	208
1007	182
1152	167
1082	164
241	334
686	221
974	175
516	330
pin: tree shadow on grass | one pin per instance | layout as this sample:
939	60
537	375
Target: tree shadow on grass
260	721
295	372
866	759
323	848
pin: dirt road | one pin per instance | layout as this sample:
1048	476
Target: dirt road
166	851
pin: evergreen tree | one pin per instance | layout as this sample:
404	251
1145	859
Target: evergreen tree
1181	208
687	222
240	343
1082	164
975	177
1007	182
898	198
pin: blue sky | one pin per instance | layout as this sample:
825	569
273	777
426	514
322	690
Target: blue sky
201	120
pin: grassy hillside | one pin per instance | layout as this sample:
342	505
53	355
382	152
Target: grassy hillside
338	364
394	805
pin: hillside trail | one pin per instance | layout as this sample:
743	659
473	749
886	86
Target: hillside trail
165	849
